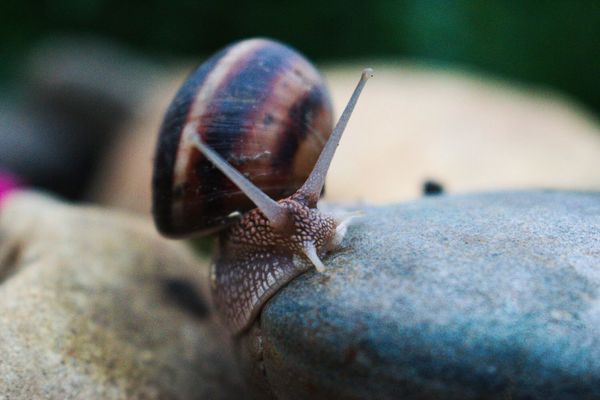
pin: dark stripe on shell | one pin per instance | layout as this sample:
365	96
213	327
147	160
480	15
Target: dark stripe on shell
231	115
299	125
168	143
205	184
207	200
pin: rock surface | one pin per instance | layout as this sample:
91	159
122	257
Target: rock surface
492	296
94	305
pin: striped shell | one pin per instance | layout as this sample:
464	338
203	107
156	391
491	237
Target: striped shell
259	104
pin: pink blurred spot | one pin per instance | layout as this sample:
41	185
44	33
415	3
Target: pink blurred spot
8	184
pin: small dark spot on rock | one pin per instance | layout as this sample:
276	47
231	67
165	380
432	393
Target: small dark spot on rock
432	188
11	261
186	296
268	119
323	279
350	355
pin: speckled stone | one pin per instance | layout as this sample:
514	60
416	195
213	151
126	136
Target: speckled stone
492	296
95	305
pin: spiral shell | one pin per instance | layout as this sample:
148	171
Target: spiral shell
259	104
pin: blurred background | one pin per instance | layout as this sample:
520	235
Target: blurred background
474	95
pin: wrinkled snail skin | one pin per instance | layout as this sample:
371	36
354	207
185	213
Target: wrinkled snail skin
255	261
244	149
259	104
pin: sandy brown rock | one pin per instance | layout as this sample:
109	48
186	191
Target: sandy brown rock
123	177
466	131
93	304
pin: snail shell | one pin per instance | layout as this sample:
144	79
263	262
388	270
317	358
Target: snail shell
264	109
251	132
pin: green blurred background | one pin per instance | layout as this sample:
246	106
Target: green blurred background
73	72
551	42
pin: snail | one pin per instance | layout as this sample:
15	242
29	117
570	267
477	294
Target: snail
244	149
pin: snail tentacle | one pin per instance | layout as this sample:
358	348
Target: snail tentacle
276	214
316	180
310	251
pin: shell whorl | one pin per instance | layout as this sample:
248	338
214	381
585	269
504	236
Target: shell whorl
259	104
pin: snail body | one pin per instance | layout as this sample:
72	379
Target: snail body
251	124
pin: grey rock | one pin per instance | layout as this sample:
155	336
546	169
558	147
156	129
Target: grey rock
95	305
490	296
